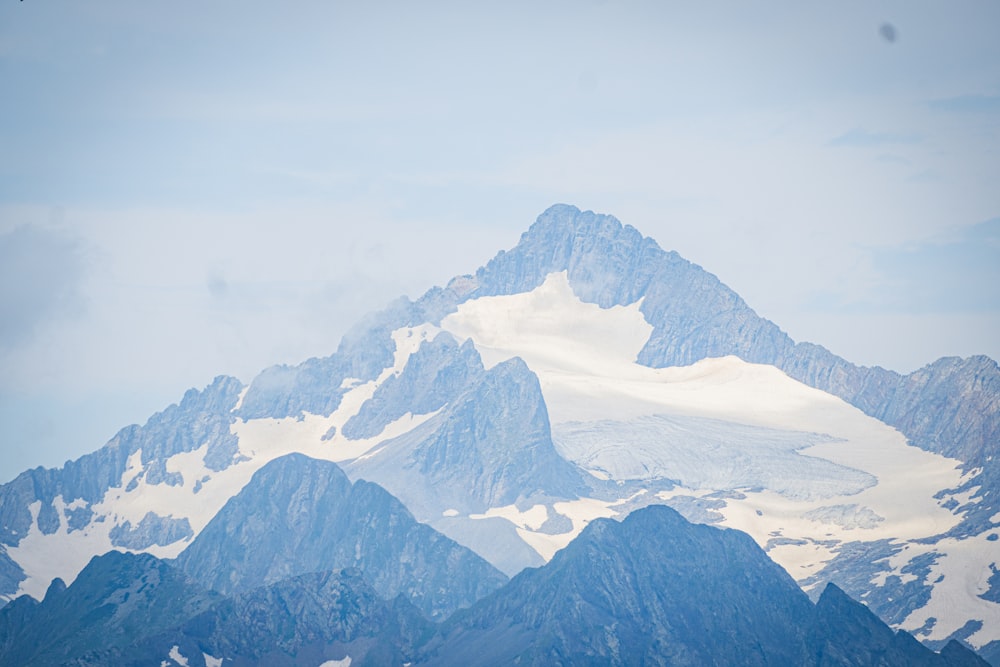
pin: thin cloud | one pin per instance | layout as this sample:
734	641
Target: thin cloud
967	104
957	274
862	138
40	275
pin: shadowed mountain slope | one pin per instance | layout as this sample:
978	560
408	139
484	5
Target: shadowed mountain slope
300	515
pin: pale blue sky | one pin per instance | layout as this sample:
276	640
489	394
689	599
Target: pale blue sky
195	189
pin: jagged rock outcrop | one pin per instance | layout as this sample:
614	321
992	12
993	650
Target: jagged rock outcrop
152	529
492	448
438	371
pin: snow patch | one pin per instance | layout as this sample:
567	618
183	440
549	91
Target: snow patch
175	655
450	512
962	573
408	340
527	524
239	399
580	512
965	497
211	661
551	327
42	563
344	662
76	504
530	519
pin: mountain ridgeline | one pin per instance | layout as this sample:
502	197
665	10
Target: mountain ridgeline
652	589
427	496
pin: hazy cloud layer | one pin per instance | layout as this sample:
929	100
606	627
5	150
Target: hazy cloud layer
971	103
862	137
958	273
40	275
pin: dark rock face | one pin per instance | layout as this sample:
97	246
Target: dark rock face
304	620
846	633
307	614
653	589
152	529
11	574
656	590
316	385
433	375
958	655
15	619
496	443
300	515
989	653
117	599
127	609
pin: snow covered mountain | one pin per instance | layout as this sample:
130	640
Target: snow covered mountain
585	373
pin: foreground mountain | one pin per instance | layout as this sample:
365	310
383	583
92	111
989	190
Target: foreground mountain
653	589
117	599
311	619
582	374
127	609
299	515
656	590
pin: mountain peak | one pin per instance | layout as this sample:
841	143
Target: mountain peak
298	514
607	263
568	221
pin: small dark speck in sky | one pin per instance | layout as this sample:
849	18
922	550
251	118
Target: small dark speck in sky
217	286
888	32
